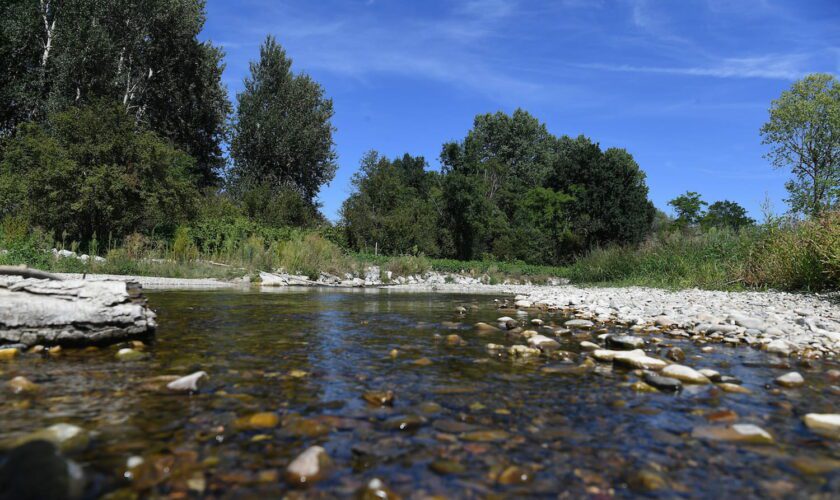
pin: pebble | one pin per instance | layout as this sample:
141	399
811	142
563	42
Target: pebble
188	383
792	379
485	436
486	327
733	388
310	466
543	343
738	433
589	346
379	398
443	466
7	354
375	489
579	323
68	438
825	424
685	374
710	374
128	354
624	342
662	383
523	351
513	474
454	340
21	384
638	359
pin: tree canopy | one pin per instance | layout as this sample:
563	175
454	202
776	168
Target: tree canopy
803	133
282	135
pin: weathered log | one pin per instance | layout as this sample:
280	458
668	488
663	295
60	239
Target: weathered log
26	272
71	312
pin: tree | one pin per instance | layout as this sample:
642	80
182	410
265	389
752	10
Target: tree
610	190
803	133
390	207
282	133
688	208
726	214
92	171
144	54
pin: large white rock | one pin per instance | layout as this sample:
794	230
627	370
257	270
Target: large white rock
826	424
685	374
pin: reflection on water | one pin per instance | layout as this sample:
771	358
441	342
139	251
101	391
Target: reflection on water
473	424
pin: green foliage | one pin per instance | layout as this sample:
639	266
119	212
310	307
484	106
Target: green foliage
282	134
726	214
310	255
92	171
391	207
280	207
803	133
409	265
688	208
144	54
798	255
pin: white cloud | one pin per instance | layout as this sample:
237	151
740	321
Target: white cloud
779	67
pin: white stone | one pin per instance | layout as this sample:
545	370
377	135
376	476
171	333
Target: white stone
187	383
685	374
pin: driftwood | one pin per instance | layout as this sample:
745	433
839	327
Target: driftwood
26	272
45	311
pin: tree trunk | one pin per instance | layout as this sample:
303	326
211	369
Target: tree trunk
72	312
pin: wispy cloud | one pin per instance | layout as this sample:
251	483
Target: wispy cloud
779	67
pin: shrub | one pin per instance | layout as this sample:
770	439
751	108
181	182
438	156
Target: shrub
409	265
311	254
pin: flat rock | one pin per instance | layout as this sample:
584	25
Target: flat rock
638	359
310	466
662	383
543	343
738	433
825	424
624	342
187	383
792	379
685	374
579	323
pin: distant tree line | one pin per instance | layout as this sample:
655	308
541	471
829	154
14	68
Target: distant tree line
114	119
509	191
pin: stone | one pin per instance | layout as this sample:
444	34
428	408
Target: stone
824	424
422	362
36	469
646	481
638	359
664	321
445	467
375	489
710	374
779	346
605	355
738	433
640	386
523	304
685	374
662	383
792	379
733	388
21	384
454	340
128	354
8	353
379	398
675	354
537	322
484	327
310	466
188	383
523	351
485	436
68	438
404	423
543	343
624	342
513	474
579	323
589	346
261	420
815	465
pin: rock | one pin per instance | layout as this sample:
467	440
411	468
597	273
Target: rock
685	374
375	489
675	354
513	474
543	343
710	374
36	470
495	347
589	346
605	355
188	383
128	354
445	467
21	384
726	416
261	420
824	424
523	304
485	436
579	323
68	438
454	340
310	466
640	386
461	310
733	388
504	319
738	433
523	351
8	353
624	342
646	480
815	465
422	362
792	379
664	321
379	398
74	311
638	359
779	346
404	423
537	322
662	383
305	427
485	327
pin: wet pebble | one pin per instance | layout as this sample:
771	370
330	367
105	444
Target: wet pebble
738	433
638	359
825	424
310	466
627	342
21	384
662	383
685	374
792	379
579	323
128	354
379	398
187	383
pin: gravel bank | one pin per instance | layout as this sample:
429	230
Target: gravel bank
156	283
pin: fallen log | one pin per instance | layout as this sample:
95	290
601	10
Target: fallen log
45	311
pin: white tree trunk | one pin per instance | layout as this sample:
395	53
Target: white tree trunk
49	29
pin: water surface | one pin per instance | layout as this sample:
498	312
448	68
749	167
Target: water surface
464	423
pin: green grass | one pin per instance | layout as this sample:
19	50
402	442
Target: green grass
785	255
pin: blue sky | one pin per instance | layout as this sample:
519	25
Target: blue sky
684	85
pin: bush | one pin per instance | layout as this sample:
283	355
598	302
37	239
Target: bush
798	255
409	265
312	254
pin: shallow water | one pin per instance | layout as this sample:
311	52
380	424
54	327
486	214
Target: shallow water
310	355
